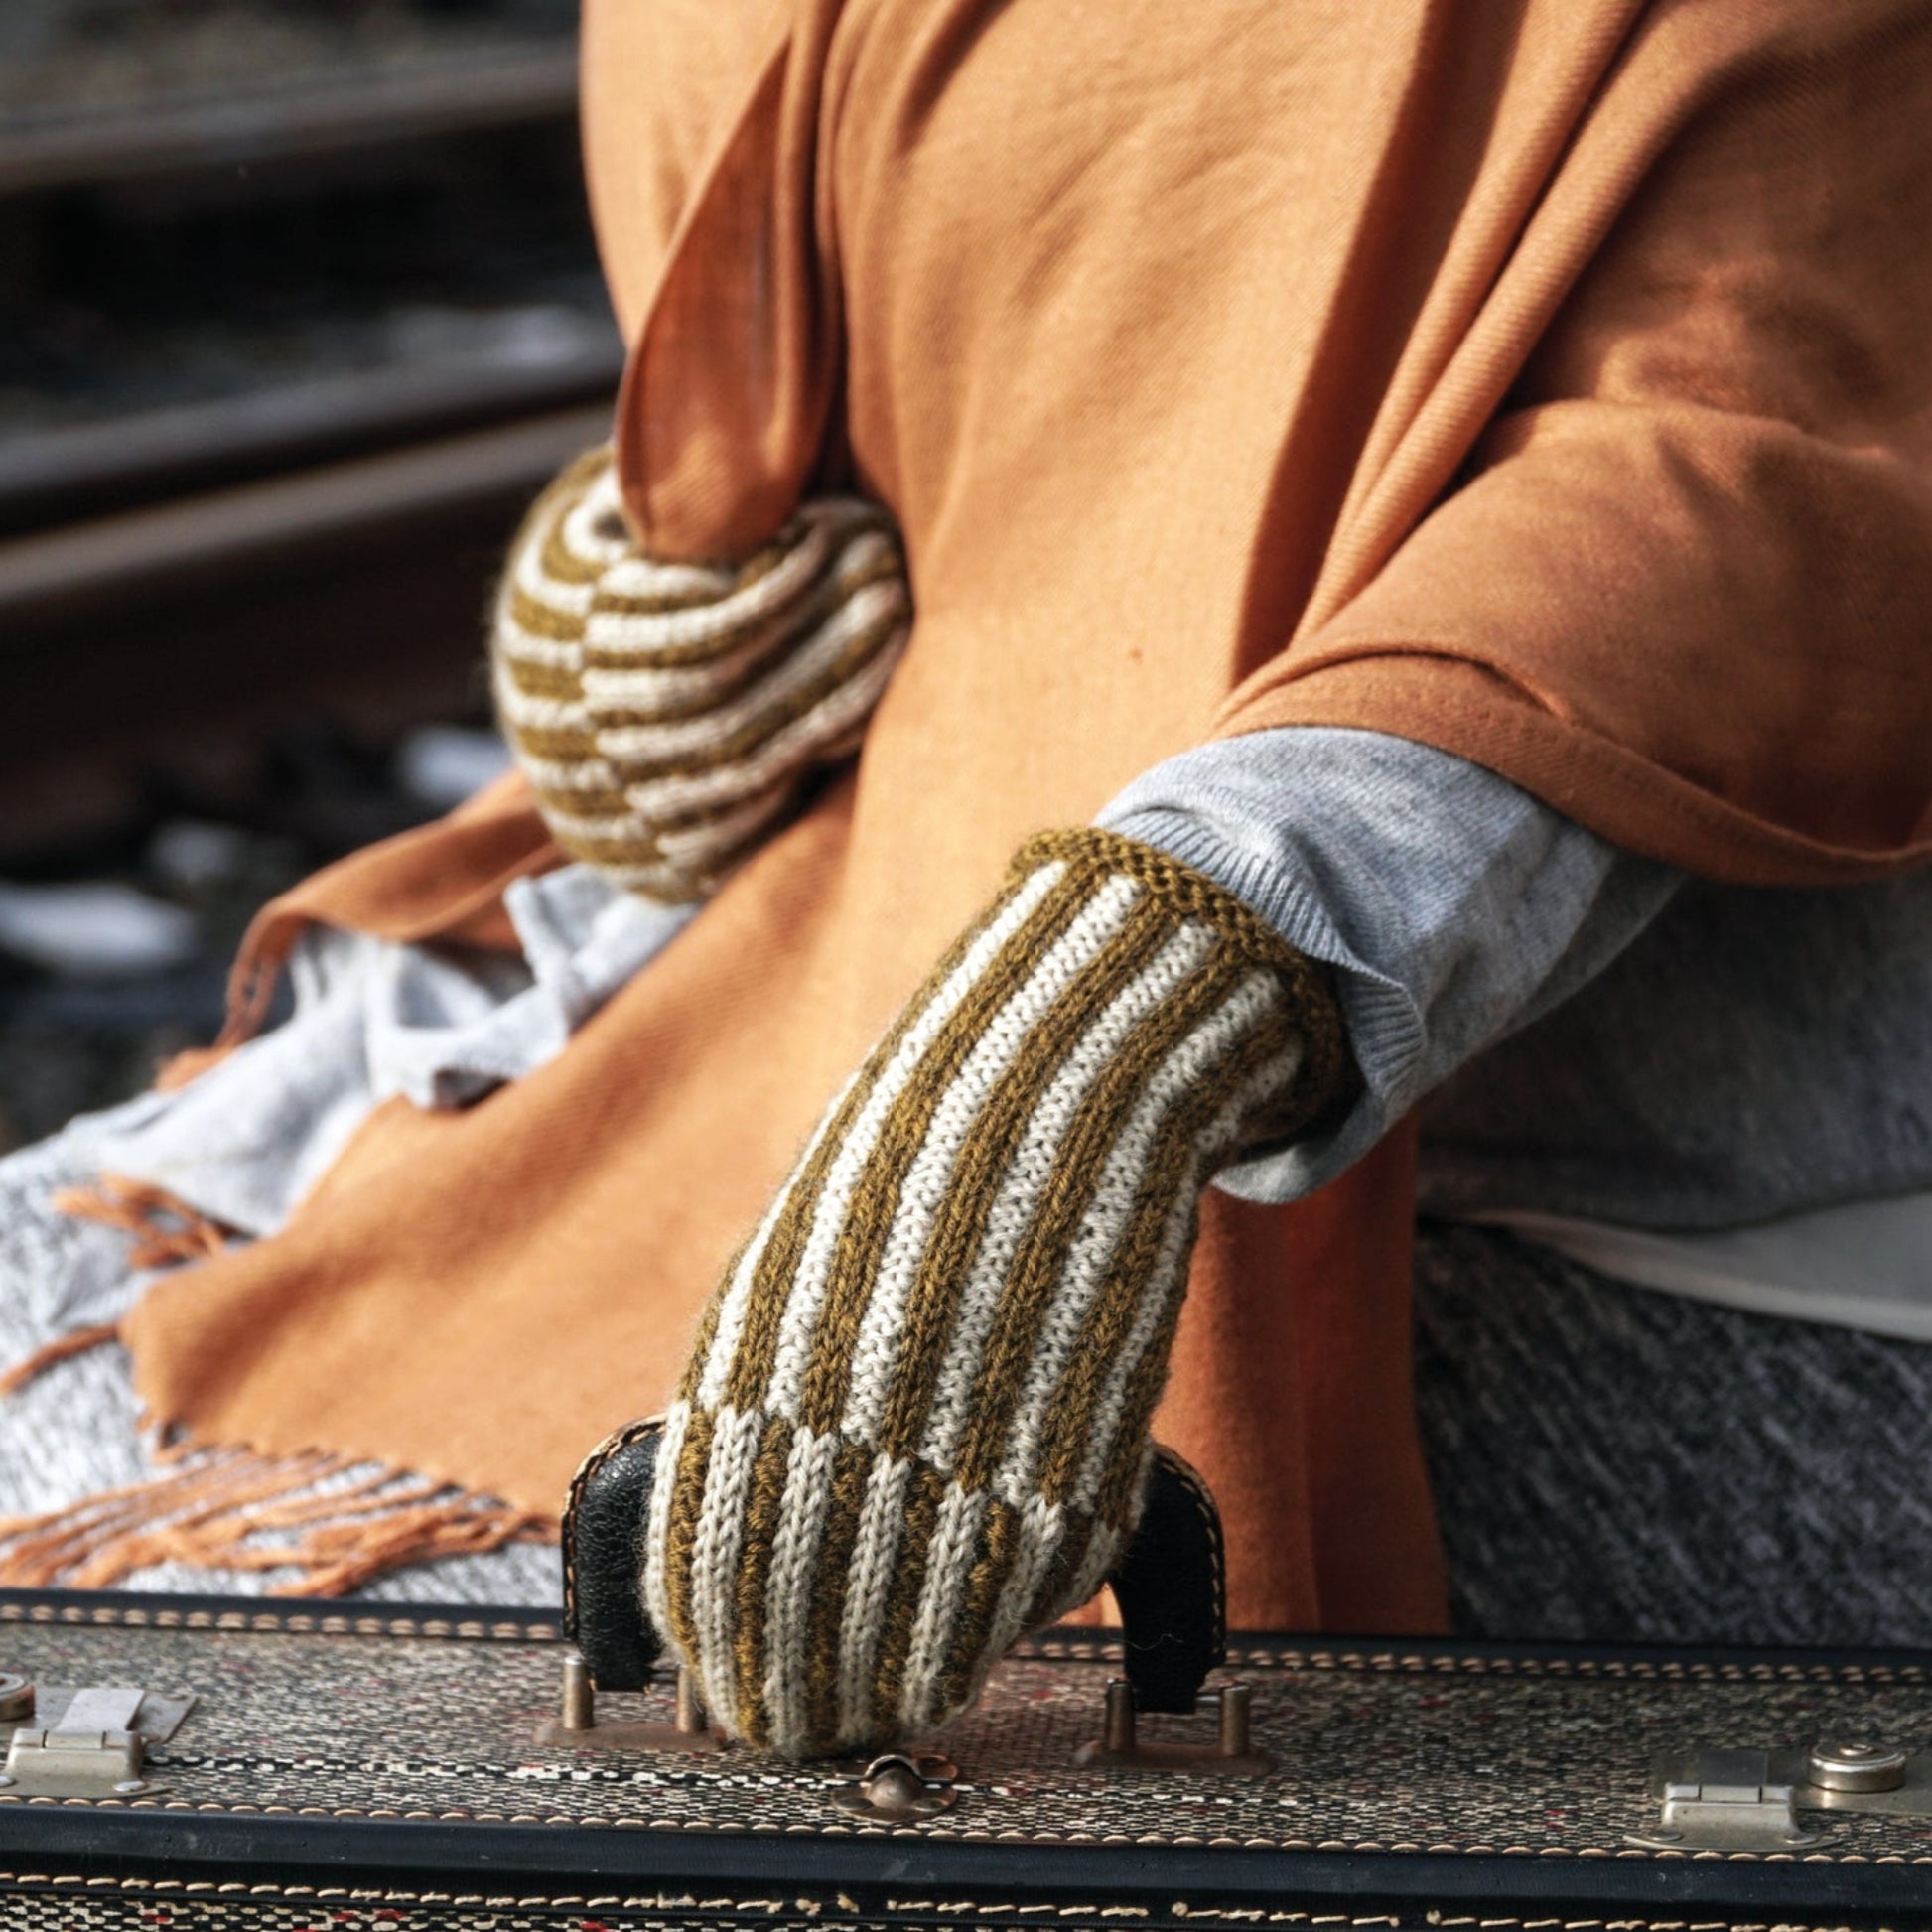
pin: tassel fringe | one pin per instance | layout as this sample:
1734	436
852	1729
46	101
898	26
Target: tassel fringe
335	1524
63	1348
165	1230
332	1522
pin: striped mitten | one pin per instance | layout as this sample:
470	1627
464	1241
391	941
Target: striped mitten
666	713
915	1422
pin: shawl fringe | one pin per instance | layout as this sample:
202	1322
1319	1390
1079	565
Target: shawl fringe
334	1523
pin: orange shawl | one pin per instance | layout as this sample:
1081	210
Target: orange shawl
1543	379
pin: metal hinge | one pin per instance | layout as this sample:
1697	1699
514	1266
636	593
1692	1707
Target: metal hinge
1725	1801
88	1742
1749	1800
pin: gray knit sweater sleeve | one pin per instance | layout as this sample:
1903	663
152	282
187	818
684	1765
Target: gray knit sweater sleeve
1454	906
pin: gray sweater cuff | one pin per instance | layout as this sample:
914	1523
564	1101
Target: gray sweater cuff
1454	906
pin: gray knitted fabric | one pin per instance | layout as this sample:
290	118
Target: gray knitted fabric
75	1431
1620	1464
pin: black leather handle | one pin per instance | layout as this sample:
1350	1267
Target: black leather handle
1169	1583
604	1557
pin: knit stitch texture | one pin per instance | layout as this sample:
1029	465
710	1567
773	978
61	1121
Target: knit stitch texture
915	1422
666	713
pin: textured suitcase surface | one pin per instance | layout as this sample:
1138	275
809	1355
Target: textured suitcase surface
352	1769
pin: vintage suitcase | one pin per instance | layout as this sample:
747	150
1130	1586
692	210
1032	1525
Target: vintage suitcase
312	1765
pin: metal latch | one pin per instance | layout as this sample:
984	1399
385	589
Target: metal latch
898	1788
87	1743
1726	1801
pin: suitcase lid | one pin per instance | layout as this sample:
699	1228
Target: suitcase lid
401	1743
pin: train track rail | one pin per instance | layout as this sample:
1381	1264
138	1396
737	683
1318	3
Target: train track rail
349	108
281	491
56	476
133	641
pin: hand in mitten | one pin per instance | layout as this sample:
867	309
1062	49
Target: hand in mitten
915	1422
666	713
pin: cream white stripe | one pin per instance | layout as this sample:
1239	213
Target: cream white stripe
570	602
663	695
780	755
600	500
862	1616
654	689
737	1295
692	842
1031	1170
788	1594
1176	1240
639	637
923	1191
670	1446
1043	1526
1105	1543
634	829
700	624
528	575
715	1552
672	883
770	771
715	606
520	647
570	774
807	1293
871	608
1090	1254
537	713
949	1560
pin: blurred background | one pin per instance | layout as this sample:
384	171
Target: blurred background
299	307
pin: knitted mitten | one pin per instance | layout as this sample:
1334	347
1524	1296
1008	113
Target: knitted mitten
665	714
915	1422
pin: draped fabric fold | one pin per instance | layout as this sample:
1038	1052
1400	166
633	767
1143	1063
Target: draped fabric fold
1543	380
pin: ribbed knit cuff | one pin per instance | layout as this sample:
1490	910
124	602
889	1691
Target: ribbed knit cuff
915	1422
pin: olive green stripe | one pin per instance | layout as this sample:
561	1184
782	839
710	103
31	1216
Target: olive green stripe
996	1552
557	562
1078	1166
1172	1167
1049	1600
560	741
750	1367
1116	1498
755	731
851	1471
1326	1074
574	804
556	682
681	1533
959	1227
779	630
925	1490
553	624
667	604
875	1199
687	1385
750	1596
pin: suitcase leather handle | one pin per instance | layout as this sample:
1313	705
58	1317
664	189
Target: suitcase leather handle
1169	1583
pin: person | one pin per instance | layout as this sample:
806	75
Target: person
1415	526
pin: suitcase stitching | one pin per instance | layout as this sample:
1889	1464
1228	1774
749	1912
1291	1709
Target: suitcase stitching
662	1902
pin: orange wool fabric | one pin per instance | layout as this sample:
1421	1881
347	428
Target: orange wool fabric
1546	381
